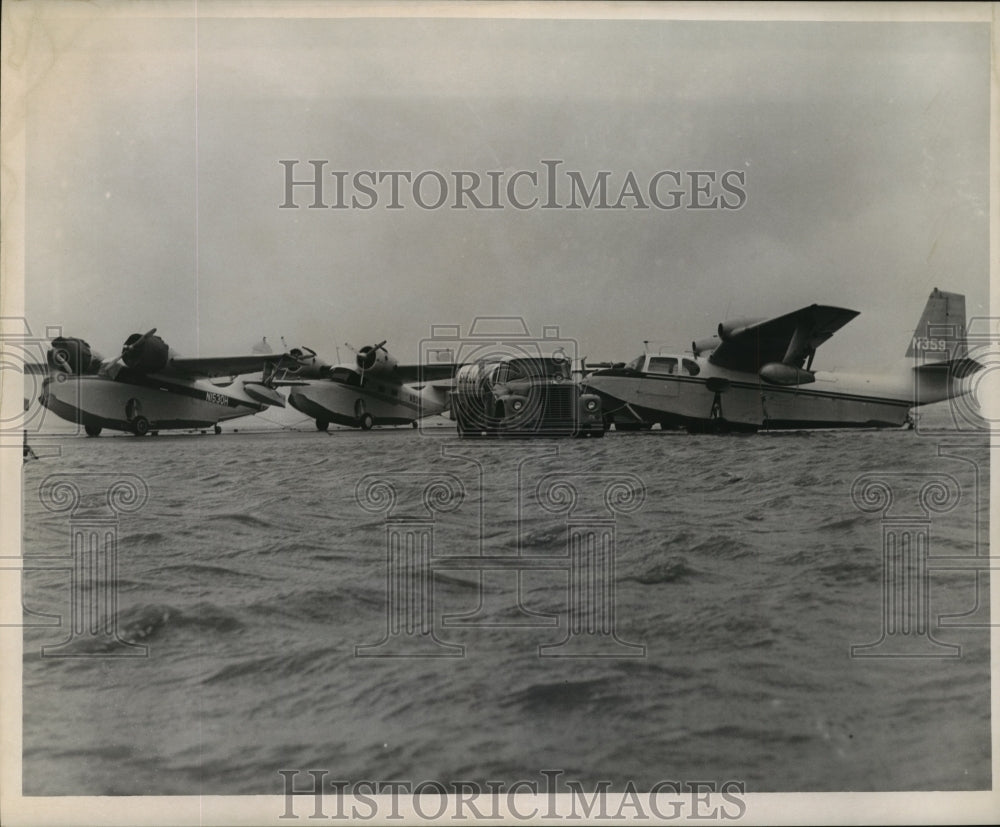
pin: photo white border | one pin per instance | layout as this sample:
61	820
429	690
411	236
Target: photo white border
21	20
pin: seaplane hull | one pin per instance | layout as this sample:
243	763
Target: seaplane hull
331	402
694	403
96	402
375	390
149	387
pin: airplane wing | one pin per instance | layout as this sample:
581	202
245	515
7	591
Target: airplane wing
409	374
788	339
212	366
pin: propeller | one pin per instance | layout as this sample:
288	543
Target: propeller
128	347
292	361
302	354
368	355
131	350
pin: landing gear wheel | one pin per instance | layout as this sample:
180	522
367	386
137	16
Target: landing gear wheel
92	430
140	426
413	424
218	430
322	425
367	421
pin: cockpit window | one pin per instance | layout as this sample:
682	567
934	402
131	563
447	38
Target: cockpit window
636	364
662	364
691	367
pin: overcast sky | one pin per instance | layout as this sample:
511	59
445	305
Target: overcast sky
154	185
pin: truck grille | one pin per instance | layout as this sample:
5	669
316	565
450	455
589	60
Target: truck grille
560	407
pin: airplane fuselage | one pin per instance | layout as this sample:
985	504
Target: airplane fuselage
164	402
376	402
698	394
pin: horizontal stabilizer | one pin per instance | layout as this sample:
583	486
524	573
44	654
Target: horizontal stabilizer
961	367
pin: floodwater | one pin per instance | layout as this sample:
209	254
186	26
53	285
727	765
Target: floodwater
258	623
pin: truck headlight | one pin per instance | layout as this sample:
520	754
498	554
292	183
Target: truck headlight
592	405
517	405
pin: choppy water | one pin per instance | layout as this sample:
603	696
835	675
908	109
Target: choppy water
251	574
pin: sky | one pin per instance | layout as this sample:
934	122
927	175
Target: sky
154	186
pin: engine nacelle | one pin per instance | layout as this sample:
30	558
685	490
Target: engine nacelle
73	356
780	374
375	359
700	346
734	327
145	353
305	364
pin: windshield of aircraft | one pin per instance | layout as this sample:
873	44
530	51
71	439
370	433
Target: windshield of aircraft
346	376
668	365
662	364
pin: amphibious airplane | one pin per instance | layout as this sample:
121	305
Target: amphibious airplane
374	390
149	388
757	374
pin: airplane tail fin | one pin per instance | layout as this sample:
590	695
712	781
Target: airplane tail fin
939	350
940	333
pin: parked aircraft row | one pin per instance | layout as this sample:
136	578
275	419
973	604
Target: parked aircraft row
751	374
148	387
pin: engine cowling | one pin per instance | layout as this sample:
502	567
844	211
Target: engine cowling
74	356
733	328
145	353
780	374
700	346
375	359
305	364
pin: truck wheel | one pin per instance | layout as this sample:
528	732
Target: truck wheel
92	430
322	424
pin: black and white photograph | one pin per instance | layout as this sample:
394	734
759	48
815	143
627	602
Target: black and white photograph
538	413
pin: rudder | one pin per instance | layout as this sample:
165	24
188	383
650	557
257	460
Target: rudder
940	333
